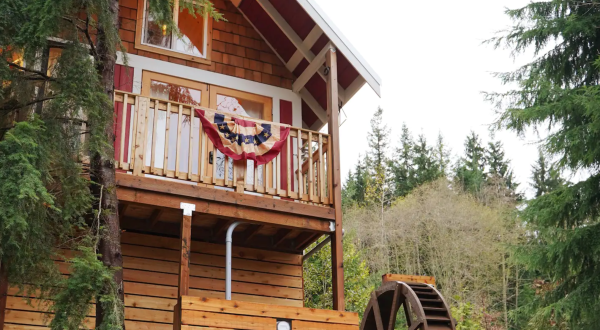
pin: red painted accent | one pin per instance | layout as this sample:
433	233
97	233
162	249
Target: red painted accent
308	115
265	25
123	81
285	117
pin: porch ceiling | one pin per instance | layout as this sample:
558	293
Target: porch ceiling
299	33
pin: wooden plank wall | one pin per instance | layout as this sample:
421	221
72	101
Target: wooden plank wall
151	265
198	313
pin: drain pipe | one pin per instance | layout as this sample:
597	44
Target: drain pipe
228	241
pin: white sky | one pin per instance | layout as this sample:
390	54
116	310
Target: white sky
433	69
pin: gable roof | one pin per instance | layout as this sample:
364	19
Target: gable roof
300	33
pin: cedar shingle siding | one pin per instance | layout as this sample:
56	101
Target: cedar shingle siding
237	49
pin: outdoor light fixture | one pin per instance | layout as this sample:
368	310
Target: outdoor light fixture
284	325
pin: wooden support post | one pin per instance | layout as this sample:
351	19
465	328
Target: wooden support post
3	293
337	254
186	241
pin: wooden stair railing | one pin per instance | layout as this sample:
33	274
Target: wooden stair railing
150	142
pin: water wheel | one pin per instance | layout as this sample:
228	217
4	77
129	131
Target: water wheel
424	307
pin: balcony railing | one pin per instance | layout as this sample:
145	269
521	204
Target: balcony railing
150	142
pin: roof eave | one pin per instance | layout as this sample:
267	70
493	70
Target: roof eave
338	39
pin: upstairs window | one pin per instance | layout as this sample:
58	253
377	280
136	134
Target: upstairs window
193	44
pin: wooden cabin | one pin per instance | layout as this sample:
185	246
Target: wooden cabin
277	61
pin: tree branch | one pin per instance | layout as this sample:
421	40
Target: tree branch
85	31
42	76
21	105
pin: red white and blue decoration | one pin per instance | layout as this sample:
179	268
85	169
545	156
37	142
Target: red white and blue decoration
242	138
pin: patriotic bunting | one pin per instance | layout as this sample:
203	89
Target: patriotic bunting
242	138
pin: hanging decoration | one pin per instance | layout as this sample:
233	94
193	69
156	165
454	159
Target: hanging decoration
242	138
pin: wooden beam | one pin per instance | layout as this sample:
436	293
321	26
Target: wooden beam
155	216
236	3
219	229
408	278
354	87
204	195
226	210
184	263
123	208
250	232
313	104
281	235
304	239
311	69
3	292
309	41
337	258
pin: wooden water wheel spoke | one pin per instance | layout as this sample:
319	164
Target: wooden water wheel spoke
423	306
394	308
376	312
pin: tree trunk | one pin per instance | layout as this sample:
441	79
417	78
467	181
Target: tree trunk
103	170
504	289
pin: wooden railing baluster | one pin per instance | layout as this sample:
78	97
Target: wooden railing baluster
178	151
321	171
191	146
140	146
329	176
311	172
299	152
123	130
289	168
201	153
133	136
154	134
167	130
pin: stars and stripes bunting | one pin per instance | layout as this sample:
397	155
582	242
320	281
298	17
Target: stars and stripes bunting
242	138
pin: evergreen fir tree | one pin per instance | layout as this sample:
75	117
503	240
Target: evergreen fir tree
354	189
378	139
425	169
470	168
495	159
402	163
559	91
545	177
378	189
499	166
442	155
45	193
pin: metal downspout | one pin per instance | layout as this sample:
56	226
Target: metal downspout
228	241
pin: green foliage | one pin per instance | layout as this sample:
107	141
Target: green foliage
317	278
88	280
28	210
45	194
467	316
558	91
470	168
545	176
401	164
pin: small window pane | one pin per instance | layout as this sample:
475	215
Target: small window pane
175	93
240	106
155	34
192	29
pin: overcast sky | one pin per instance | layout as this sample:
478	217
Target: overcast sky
433	67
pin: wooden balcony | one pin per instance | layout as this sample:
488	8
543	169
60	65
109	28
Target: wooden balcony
200	313
151	143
